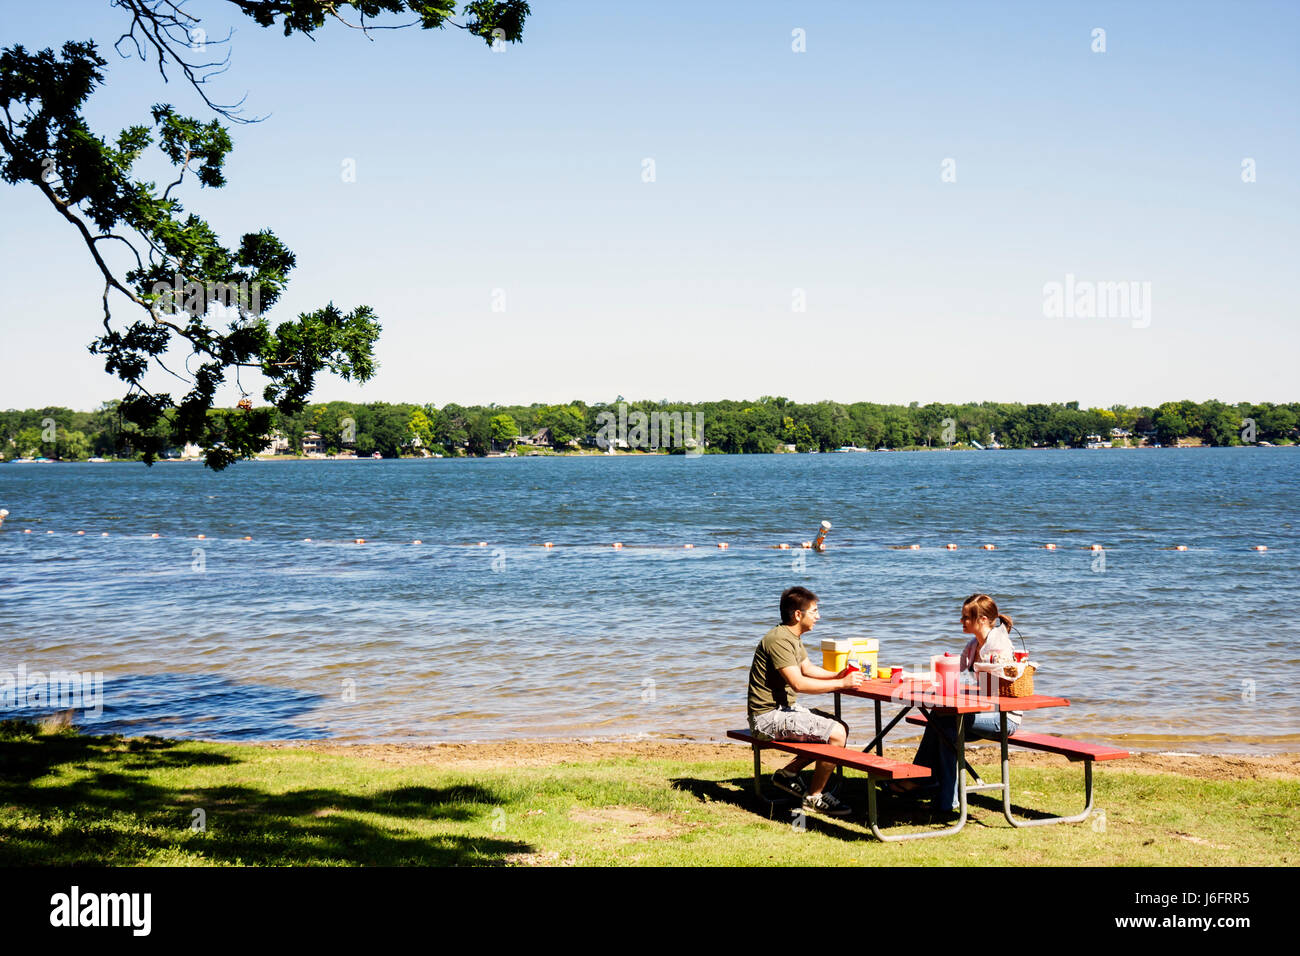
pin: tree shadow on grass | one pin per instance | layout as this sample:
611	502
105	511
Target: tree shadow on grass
67	799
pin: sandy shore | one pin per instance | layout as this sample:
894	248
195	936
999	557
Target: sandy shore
524	753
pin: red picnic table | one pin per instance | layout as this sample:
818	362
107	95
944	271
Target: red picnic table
968	700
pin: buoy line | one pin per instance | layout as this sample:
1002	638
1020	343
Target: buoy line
626	546
818	544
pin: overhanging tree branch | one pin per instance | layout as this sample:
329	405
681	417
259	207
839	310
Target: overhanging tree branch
188	282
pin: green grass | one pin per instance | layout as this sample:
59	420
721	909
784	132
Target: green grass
69	799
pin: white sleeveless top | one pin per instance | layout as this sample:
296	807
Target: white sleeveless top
997	643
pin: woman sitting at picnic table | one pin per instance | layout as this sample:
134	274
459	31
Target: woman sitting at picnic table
990	643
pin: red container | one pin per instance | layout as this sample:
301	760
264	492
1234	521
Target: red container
1021	656
945	669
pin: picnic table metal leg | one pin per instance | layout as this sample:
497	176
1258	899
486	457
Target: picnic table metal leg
877	741
962	762
839	770
758	781
872	819
1006	791
961	756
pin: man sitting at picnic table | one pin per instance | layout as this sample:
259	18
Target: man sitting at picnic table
781	668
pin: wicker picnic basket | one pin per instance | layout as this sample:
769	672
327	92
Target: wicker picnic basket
1023	684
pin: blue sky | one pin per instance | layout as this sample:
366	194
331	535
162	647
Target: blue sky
775	171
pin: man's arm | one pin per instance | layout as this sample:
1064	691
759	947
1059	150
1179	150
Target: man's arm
809	669
820	681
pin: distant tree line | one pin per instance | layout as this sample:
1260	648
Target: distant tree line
750	427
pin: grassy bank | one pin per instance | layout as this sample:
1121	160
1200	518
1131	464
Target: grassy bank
69	799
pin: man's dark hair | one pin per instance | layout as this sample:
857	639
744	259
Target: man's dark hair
795	599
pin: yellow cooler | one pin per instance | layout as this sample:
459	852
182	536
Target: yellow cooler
835	654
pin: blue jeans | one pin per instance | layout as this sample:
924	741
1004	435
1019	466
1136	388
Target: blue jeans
941	759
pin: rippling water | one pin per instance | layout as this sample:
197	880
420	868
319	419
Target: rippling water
276	638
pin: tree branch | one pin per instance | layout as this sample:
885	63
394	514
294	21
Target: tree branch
156	24
189	154
109	278
109	235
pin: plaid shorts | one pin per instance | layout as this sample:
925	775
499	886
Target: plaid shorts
793	723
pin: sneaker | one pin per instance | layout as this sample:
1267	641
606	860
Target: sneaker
825	804
790	783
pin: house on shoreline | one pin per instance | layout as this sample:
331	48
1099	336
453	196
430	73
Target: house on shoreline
277	444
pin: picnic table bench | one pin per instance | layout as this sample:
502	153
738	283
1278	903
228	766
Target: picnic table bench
1074	750
874	766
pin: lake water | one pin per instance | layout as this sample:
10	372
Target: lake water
279	638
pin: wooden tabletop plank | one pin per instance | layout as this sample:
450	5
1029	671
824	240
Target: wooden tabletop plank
964	702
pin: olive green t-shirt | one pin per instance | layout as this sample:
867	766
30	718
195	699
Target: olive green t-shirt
780	647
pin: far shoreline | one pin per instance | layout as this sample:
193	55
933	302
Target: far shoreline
622	454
